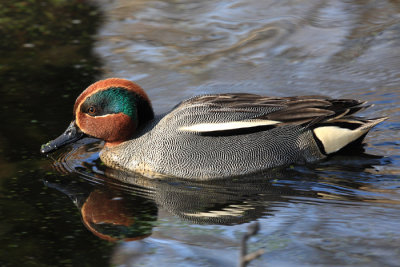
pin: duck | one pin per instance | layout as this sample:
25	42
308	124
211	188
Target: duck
214	135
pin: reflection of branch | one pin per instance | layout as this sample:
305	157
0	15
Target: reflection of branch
245	258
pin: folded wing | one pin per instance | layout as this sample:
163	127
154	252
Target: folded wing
241	113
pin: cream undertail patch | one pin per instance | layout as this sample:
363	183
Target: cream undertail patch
334	138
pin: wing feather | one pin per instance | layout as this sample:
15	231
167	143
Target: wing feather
241	112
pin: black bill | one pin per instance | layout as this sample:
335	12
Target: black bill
72	134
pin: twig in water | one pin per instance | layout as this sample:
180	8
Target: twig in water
245	258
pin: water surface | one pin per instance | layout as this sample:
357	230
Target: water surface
68	208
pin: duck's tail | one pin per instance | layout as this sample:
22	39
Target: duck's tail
337	134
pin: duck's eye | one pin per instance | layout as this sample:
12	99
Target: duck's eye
91	110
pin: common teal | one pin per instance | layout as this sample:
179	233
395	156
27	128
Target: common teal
211	136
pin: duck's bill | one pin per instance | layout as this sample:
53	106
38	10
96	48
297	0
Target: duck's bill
72	134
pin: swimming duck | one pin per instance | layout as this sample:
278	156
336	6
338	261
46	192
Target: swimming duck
211	136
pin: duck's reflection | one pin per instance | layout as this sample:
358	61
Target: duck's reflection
110	214
116	205
116	211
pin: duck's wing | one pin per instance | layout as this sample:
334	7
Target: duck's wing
230	114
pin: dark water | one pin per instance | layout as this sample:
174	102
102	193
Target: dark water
68	209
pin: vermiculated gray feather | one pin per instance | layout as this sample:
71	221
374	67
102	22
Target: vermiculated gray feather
162	147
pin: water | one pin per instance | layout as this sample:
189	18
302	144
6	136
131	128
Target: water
343	211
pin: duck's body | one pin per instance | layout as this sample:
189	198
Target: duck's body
169	146
213	136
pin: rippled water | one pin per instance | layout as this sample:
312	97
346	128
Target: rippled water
342	211
176	49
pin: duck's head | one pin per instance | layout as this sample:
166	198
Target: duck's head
110	110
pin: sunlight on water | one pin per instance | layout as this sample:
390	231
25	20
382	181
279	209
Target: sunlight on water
275	48
308	215
343	211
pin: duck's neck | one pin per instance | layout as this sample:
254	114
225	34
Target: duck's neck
112	144
140	130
